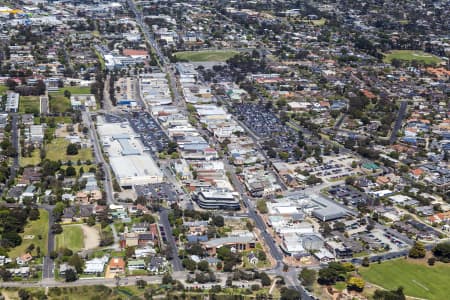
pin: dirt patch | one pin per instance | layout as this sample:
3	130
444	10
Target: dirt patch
91	237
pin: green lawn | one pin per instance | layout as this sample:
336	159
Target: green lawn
340	286
3	89
34	160
59	103
58	120
56	150
29	105
410	55
37	228
418	280
77	168
76	89
72	237
213	55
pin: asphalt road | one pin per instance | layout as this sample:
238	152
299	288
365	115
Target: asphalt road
274	249
48	264
107	183
44	104
15	143
399	121
164	220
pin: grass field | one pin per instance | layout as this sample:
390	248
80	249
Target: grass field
34	160
418	280
3	89
29	105
213	55
76	90
72	237
77	168
58	119
410	55
56	150
59	103
39	229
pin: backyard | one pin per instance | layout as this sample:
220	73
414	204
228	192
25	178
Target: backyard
35	232
417	278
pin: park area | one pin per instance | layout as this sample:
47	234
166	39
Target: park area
57	150
71	238
418	279
36	233
207	55
411	55
78	237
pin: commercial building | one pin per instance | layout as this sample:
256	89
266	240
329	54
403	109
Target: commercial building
237	243
130	163
217	199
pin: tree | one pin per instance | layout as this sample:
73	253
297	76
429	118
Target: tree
334	271
442	251
355	283
389	295
289	294
417	251
70	171
218	221
262	206
262	255
24	295
203	266
67	94
339	226
189	264
307	277
265	279
57	228
34	214
141	284
72	149
76	262
71	275
249	225
365	262
167	279
5	275
53	254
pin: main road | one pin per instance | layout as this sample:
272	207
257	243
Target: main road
398	121
99	159
274	249
48	263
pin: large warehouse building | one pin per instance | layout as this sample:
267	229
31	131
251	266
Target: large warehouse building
131	165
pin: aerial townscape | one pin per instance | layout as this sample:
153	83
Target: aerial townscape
224	150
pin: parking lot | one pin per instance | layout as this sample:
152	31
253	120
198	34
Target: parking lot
335	168
266	125
162	191
347	195
153	137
